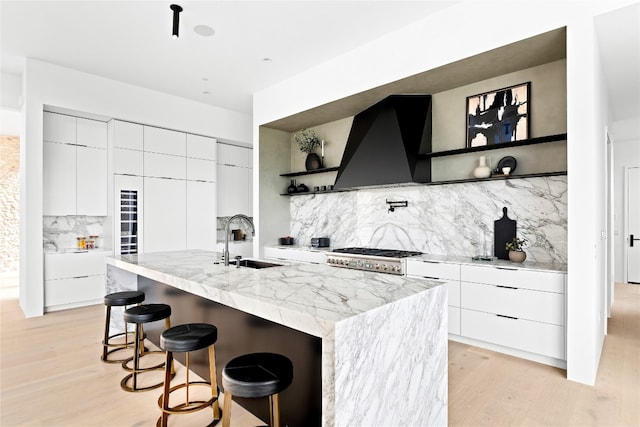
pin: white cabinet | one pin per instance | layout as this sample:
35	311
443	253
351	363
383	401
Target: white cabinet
74	176
316	257
128	135
165	141
74	280
234	155
165	166
59	128
91	133
91	181
201	215
233	190
444	272
514	308
59	179
201	147
201	170
128	162
165	214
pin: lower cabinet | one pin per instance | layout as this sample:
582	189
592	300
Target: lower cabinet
510	309
165	214
74	279
443	272
201	215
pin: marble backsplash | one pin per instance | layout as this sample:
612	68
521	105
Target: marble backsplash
60	232
449	219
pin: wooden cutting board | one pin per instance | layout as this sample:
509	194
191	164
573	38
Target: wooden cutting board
504	230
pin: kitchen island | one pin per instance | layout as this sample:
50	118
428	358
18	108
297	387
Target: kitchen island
383	337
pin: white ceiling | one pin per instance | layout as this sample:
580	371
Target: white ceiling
130	41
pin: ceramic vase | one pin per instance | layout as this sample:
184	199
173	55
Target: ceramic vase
482	170
517	256
312	162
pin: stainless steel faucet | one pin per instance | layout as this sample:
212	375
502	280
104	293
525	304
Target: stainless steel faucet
226	234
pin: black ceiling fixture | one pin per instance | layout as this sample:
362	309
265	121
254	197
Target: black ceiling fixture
176	19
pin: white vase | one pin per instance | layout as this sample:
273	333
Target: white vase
482	171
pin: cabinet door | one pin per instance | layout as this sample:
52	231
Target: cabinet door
233	155
201	170
201	215
250	192
91	180
239	190
128	135
91	133
59	179
127	162
67	293
165	166
59	128
201	147
224	185
165	214
165	141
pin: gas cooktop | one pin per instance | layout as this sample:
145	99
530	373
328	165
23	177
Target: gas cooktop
370	259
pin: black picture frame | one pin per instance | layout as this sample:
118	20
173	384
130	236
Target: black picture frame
498	116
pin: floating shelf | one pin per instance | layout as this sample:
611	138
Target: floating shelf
497	177
531	141
311	172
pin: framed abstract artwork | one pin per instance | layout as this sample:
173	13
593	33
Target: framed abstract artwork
499	116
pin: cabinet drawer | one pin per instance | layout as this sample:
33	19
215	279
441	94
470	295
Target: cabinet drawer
454	320
64	266
127	162
535	280
165	141
164	166
201	170
201	147
71	291
435	270
538	306
534	337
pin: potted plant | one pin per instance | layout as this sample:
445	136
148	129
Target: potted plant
308	142
516	253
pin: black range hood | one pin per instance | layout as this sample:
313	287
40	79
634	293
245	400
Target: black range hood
385	142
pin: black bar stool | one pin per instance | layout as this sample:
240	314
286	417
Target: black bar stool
256	375
118	299
184	339
139	315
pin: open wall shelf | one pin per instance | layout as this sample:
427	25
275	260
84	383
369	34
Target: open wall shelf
530	141
311	172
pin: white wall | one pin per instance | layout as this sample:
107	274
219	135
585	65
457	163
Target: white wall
436	41
47	84
625	154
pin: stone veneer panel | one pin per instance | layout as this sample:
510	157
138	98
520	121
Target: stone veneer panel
448	219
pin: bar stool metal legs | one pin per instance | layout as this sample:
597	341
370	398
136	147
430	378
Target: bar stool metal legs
184	339
139	315
122	299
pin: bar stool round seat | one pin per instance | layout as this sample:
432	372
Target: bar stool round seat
139	315
256	375
118	299
184	339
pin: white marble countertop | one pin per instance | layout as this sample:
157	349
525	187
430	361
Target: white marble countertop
311	298
537	266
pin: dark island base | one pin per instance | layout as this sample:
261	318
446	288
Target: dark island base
240	333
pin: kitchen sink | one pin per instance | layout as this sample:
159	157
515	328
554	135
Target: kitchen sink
252	263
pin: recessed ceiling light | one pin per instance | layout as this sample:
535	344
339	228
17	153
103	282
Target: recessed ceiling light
206	92
267	60
204	30
204	79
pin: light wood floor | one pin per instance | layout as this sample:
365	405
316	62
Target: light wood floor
50	375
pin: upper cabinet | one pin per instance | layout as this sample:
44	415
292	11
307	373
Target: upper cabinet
201	147
128	135
234	180
234	155
74	166
164	141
